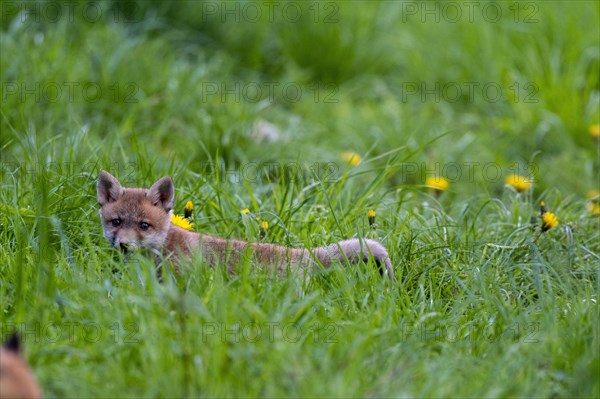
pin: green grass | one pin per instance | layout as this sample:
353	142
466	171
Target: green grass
484	305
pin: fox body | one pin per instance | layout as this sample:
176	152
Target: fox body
141	218
16	380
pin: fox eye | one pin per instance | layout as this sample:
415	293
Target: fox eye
115	222
144	226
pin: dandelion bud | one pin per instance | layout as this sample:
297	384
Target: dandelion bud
264	226
371	215
542	208
189	208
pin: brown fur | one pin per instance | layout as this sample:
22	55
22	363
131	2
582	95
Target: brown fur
16	380
133	206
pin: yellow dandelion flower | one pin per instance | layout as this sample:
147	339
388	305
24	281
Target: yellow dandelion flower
519	183
595	131
549	221
371	215
189	208
437	183
351	157
182	222
593	208
245	211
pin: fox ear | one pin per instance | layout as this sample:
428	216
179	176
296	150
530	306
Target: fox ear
13	343
109	188
162	193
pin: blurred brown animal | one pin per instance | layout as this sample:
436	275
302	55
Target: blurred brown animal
16	379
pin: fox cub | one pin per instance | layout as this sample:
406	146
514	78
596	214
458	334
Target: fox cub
16	380
135	218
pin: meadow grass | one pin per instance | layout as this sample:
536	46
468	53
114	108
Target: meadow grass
485	305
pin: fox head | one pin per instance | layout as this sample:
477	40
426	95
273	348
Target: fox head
135	218
16	380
